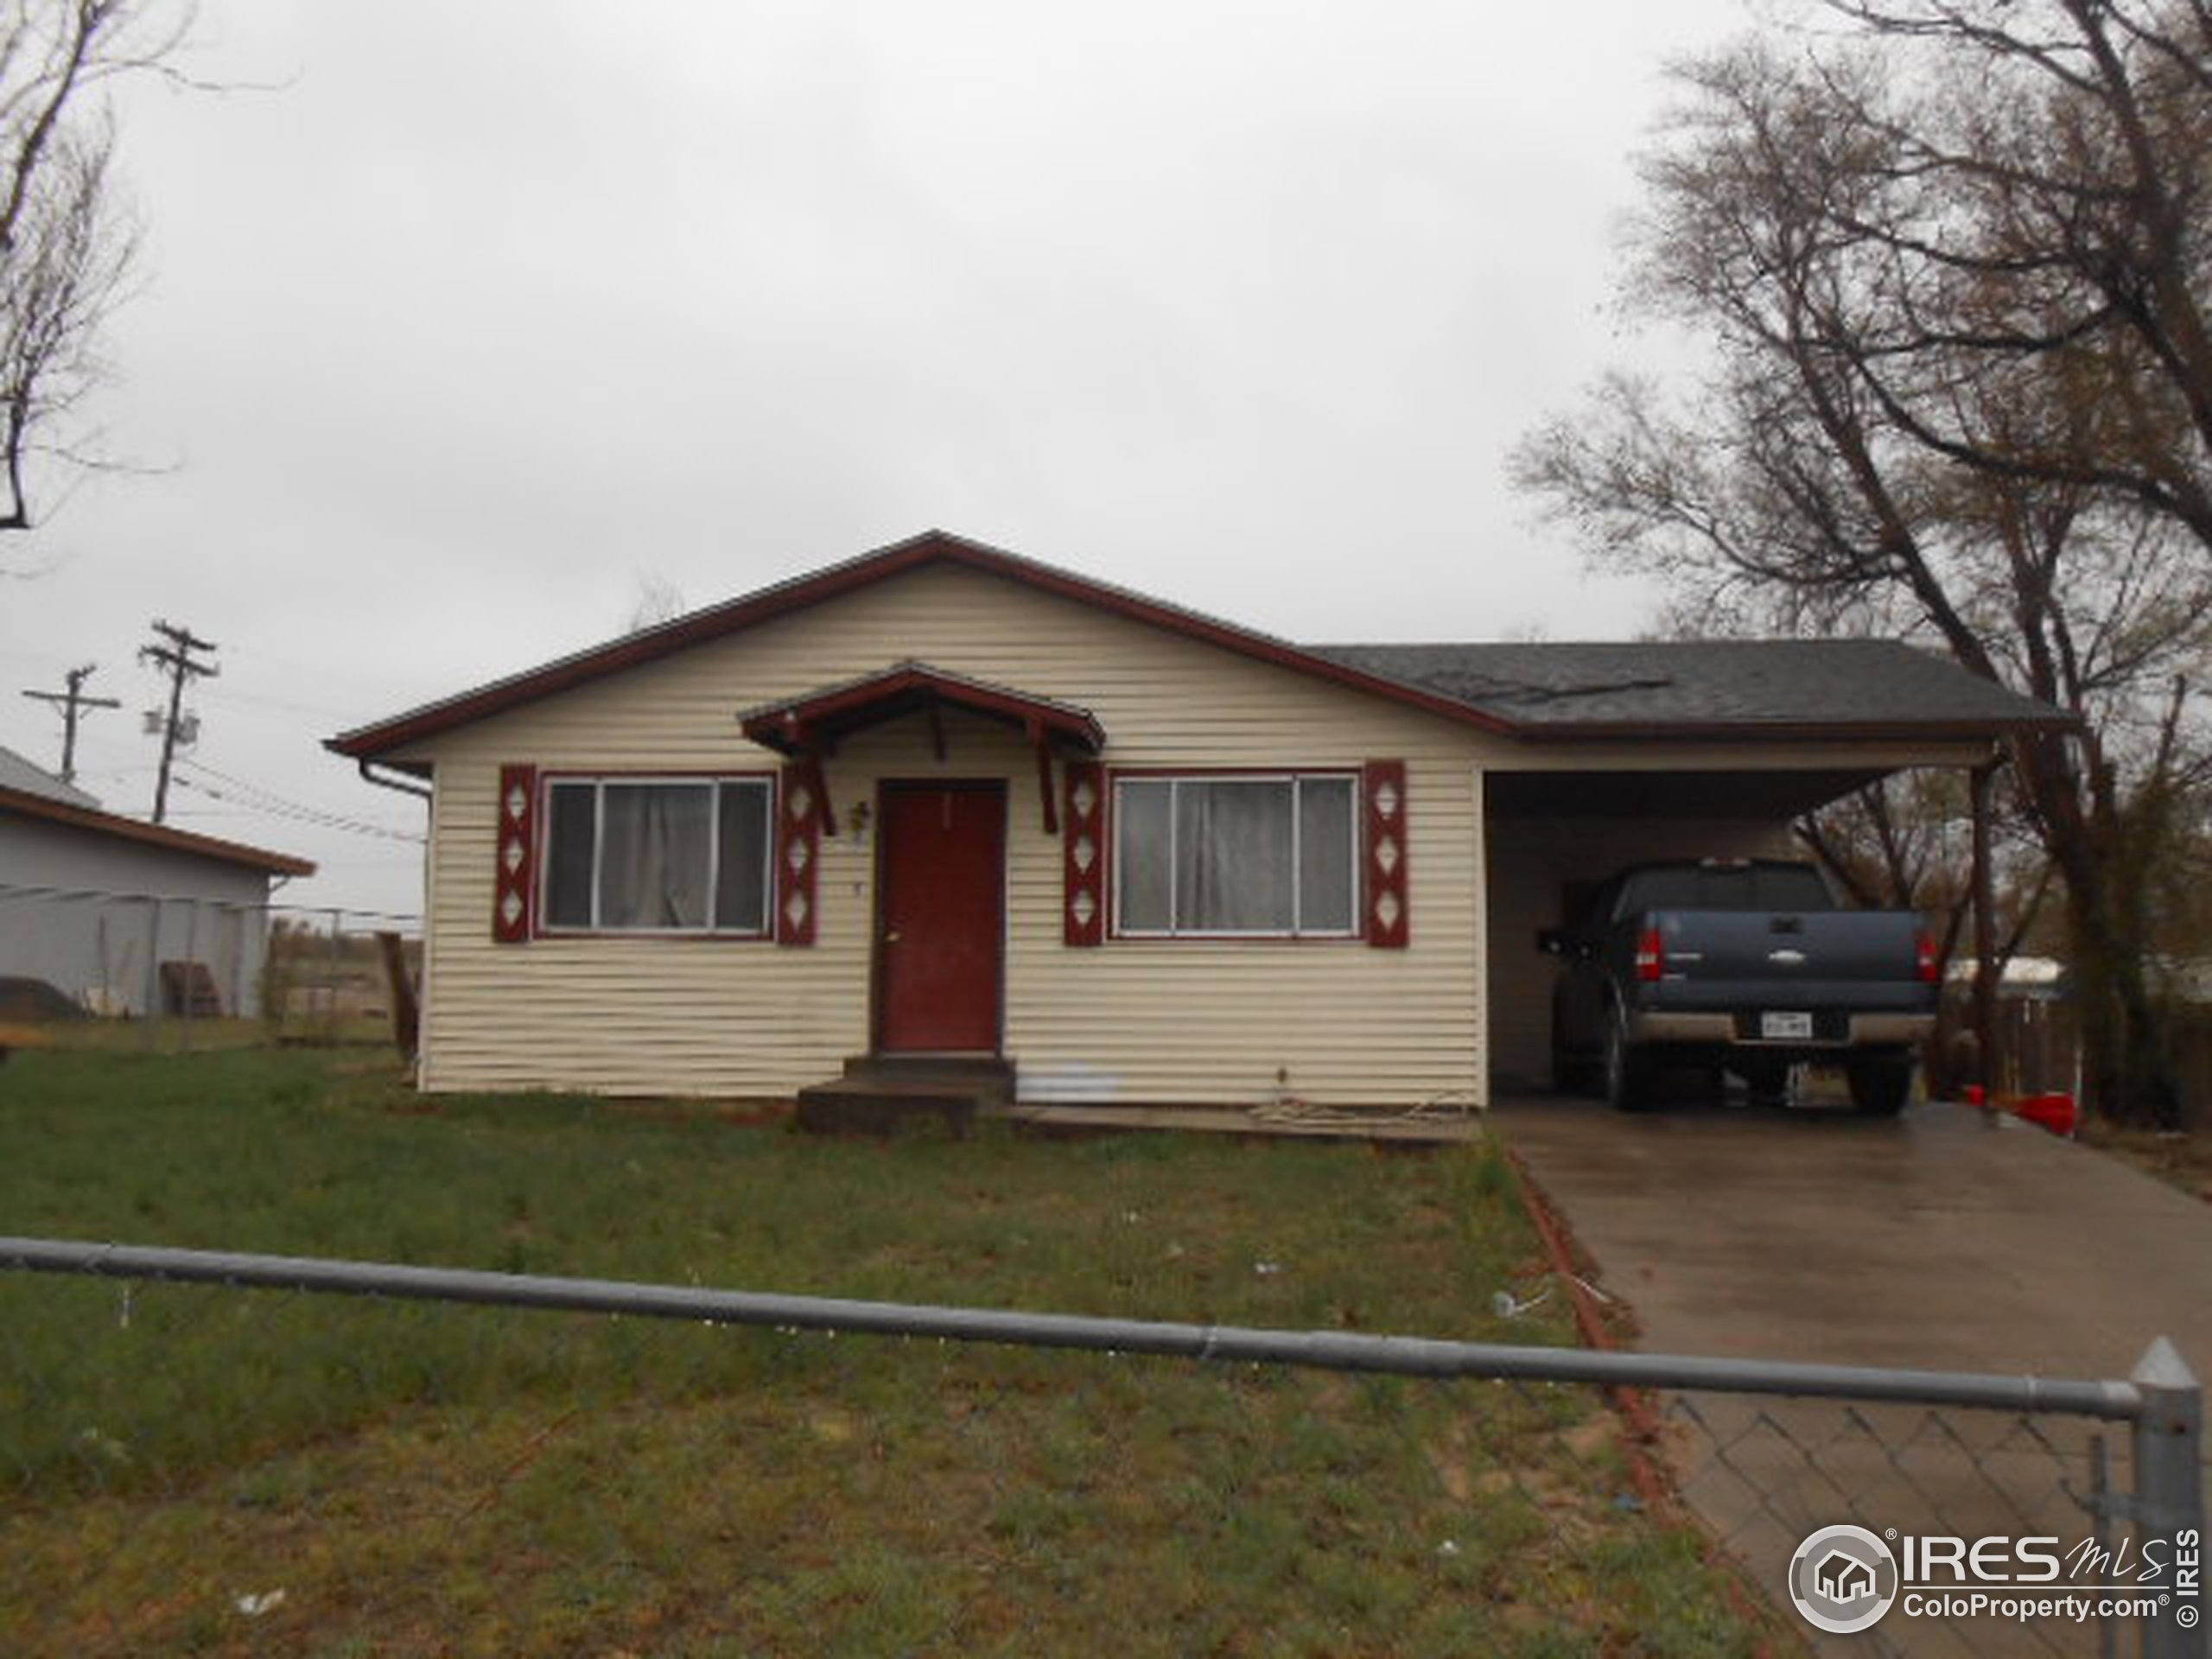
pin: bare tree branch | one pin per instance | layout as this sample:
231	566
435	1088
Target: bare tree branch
68	243
1949	263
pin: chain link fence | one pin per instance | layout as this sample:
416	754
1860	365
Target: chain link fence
2067	1572
229	1453
184	965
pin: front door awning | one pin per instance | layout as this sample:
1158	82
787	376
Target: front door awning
809	728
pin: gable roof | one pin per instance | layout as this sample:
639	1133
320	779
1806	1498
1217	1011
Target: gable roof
1760	688
1721	688
798	724
22	803
931	547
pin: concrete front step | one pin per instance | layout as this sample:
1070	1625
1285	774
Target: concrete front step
884	1094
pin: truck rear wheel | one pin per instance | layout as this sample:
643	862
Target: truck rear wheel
1626	1072
1880	1083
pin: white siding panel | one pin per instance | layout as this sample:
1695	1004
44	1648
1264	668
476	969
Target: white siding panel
1335	1023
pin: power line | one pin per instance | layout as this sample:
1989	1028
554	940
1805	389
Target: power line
238	792
316	820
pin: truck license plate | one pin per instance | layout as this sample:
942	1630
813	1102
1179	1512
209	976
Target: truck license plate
1786	1027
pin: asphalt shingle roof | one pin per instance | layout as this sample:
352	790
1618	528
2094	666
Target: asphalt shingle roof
1548	688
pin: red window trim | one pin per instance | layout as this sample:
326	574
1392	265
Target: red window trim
1083	886
802	808
1388	908
514	869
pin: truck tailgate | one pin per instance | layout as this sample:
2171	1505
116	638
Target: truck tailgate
1863	960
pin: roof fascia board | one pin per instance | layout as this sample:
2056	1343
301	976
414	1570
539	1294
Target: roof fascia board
1797	731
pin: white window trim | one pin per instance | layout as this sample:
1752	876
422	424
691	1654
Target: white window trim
1356	860
599	782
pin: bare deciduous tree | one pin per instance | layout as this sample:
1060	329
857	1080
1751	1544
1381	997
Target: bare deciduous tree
1948	263
67	243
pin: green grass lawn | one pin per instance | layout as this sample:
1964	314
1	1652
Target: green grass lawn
197	1469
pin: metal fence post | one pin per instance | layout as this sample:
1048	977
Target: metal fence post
2170	1495
191	976
330	977
153	1008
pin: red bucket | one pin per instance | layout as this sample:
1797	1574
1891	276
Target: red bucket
2053	1112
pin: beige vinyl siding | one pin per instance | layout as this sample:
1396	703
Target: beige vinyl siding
1333	1022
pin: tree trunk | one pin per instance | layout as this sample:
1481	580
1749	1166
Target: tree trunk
2102	855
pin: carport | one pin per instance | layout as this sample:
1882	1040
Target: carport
1671	749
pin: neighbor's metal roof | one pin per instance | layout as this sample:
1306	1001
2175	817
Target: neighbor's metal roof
27	778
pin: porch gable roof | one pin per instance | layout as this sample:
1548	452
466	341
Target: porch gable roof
814	723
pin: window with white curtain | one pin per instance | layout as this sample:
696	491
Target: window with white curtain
657	856
1236	855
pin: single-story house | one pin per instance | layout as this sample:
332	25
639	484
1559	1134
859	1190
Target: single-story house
95	905
942	799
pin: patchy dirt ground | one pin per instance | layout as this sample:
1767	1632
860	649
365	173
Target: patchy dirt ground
2182	1159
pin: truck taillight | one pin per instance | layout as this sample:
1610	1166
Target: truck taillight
1650	956
1925	967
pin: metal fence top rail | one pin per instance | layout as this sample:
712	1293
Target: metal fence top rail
1323	1349
405	921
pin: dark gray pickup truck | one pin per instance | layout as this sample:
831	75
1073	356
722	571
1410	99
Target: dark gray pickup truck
1742	964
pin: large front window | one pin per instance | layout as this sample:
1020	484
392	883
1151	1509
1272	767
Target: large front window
1264	855
655	855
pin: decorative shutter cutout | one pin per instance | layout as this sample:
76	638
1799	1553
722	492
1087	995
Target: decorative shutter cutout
1083	850
514	878
1384	789
798	851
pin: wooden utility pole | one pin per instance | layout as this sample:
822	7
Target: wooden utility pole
176	652
72	702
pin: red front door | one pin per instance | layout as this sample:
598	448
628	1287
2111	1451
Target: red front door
939	916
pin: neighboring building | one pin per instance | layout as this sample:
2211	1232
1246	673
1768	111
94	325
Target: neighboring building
944	799
94	904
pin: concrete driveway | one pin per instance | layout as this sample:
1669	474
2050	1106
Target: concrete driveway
1944	1238
1940	1240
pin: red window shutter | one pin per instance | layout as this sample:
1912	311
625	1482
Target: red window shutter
1384	789
799	809
515	878
1083	844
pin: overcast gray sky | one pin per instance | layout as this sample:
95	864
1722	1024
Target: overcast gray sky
491	317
